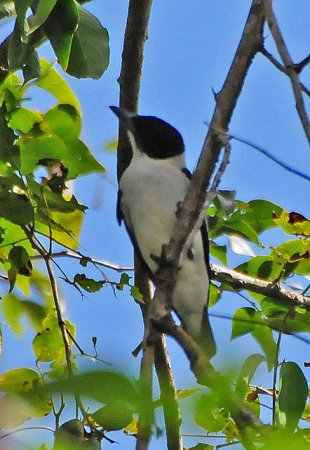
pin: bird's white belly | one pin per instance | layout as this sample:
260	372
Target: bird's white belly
149	203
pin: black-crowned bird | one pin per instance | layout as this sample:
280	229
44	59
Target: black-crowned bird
150	192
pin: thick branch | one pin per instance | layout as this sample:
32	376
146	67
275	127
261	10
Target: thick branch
289	65
130	78
250	44
241	281
131	70
168	396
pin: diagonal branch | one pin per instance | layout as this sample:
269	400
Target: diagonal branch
289	65
250	43
282	68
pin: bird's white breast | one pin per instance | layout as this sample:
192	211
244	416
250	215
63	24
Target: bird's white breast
151	190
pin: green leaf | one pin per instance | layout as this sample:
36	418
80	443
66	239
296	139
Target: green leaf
136	294
293	393
20	264
48	344
15	309
249	320
23	55
16	208
201	446
31	66
219	252
60	27
241	229
42	12
297	254
56	85
21	7
19	380
208	417
24	383
214	295
90	52
259	214
243	322
293	223
248	370
66	227
104	386
114	416
265	267
23	120
57	139
9	152
88	284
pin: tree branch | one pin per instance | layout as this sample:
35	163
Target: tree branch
282	68
250	44
236	280
168	394
268	288
289	65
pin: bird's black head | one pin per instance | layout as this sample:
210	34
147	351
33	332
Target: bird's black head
153	136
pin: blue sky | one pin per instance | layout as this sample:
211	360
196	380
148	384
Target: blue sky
189	49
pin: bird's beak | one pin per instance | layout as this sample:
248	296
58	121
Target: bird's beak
123	115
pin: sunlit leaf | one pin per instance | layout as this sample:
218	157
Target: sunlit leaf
293	223
23	120
56	85
48	344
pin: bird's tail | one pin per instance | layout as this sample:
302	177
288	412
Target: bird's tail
199	327
206	338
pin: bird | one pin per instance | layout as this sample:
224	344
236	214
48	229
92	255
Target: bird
151	190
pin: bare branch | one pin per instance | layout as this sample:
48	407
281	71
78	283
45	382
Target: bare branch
131	70
77	255
250	44
282	68
288	63
168	396
270	289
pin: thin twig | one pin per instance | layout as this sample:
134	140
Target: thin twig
77	255
288	63
282	68
11	433
275	159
